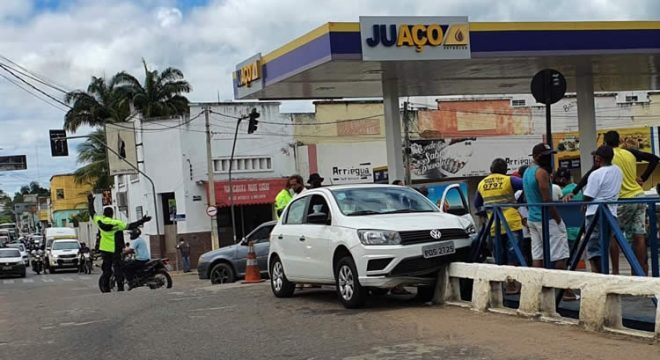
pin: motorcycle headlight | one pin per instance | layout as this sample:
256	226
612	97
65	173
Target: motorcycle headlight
379	237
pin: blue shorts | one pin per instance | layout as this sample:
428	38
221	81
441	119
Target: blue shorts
593	243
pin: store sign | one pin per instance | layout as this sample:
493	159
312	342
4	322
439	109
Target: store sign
248	77
248	192
457	158
414	38
360	174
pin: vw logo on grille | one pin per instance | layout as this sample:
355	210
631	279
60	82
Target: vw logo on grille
436	234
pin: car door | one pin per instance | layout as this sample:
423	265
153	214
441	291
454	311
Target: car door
317	238
453	202
288	237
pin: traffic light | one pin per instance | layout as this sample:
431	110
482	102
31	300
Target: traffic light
252	126
58	143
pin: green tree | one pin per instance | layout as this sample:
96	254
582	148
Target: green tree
159	94
103	102
93	158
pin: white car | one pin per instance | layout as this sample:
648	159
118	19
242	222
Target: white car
24	253
363	237
63	254
11	262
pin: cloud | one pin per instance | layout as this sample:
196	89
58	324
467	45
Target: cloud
69	41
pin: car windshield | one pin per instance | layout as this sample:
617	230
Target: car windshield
66	245
9	253
20	247
380	200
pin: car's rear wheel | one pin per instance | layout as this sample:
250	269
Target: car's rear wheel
278	282
222	274
351	294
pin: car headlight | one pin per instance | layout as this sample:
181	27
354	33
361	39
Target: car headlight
379	237
471	229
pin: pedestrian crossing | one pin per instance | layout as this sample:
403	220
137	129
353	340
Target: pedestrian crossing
46	279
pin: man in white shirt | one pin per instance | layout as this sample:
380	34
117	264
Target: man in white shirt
604	185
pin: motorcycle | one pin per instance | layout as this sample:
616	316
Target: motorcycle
86	263
37	262
153	275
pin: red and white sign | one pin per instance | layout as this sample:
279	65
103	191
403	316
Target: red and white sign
212	211
248	192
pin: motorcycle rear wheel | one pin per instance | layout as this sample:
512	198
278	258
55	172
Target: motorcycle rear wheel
164	280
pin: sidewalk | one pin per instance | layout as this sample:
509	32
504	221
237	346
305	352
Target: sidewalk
181	273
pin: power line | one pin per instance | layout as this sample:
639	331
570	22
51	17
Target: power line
31	93
32	75
34	87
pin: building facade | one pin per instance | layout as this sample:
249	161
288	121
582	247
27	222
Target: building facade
173	153
67	199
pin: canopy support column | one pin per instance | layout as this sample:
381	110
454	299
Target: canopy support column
393	130
586	114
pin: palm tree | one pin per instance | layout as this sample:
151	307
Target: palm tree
92	155
103	102
159	94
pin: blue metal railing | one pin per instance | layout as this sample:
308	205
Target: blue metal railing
572	216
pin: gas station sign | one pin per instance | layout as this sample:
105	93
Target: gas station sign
248	77
414	38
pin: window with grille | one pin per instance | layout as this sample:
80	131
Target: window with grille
243	165
632	98
518	102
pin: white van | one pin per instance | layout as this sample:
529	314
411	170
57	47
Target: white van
57	233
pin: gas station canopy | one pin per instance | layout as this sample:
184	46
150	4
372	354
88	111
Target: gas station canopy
329	62
393	57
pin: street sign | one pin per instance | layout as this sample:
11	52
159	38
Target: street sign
548	86
212	211
58	143
14	162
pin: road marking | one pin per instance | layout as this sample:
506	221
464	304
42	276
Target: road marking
47	280
8	281
28	281
214	308
67	279
84	277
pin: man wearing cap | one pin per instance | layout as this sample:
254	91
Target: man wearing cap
632	217
315	181
538	189
604	185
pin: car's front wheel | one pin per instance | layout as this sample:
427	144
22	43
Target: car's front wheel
351	294
222	274
278	282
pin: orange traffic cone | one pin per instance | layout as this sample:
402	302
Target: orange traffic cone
252	273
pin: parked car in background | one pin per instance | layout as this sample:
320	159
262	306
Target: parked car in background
364	238
23	250
227	264
63	254
11	262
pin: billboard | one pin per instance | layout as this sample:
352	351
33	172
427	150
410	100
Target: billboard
120	140
466	157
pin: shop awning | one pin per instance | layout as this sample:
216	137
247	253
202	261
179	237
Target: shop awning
248	191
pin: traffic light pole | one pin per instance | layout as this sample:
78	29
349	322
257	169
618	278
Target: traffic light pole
153	187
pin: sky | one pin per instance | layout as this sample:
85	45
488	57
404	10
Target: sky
68	42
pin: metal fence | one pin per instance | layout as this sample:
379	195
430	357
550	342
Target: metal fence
573	216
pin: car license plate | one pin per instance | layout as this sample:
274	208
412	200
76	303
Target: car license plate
438	250
6	268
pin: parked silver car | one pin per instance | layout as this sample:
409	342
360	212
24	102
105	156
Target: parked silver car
227	264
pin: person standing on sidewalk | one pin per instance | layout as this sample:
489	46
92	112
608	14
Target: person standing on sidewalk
184	250
604	185
538	189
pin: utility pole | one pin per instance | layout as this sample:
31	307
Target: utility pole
215	242
406	143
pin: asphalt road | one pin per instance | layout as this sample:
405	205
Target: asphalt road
67	318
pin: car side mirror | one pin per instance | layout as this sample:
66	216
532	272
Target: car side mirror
319	218
244	242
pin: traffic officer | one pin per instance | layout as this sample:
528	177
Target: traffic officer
111	243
